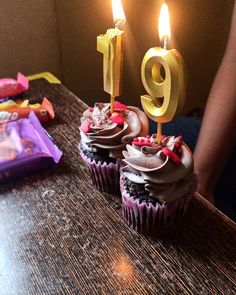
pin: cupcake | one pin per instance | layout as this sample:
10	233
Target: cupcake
157	183
103	138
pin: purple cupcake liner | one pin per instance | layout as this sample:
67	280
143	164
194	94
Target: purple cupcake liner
105	177
148	219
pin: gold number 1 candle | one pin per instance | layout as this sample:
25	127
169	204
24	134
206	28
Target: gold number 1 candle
163	77
111	46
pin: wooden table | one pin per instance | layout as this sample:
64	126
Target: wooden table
58	235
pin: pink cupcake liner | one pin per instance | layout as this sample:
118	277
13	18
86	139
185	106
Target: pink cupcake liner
148	219
105	177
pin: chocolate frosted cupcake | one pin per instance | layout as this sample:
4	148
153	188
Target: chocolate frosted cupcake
157	183
103	138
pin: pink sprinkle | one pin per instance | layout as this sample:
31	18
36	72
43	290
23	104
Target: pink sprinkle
117	119
91	110
139	143
171	155
120	106
180	138
136	139
85	126
148	136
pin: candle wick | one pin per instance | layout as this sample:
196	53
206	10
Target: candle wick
165	42
120	24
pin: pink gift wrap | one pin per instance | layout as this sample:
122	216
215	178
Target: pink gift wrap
105	177
149	219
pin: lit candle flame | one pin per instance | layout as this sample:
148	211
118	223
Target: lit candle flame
164	24
118	13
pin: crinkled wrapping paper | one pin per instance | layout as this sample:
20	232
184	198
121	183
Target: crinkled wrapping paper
25	147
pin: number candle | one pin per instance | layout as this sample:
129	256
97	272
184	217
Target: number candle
163	77
111	46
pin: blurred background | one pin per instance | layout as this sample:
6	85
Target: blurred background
60	36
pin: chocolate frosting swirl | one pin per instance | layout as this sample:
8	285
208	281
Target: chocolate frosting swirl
104	134
162	178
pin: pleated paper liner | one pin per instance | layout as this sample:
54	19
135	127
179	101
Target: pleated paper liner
105	177
150	219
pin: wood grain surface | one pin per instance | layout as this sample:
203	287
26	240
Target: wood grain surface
58	235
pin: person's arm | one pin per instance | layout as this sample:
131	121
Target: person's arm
218	132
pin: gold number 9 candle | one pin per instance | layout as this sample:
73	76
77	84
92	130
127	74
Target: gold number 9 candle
163	77
111	46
